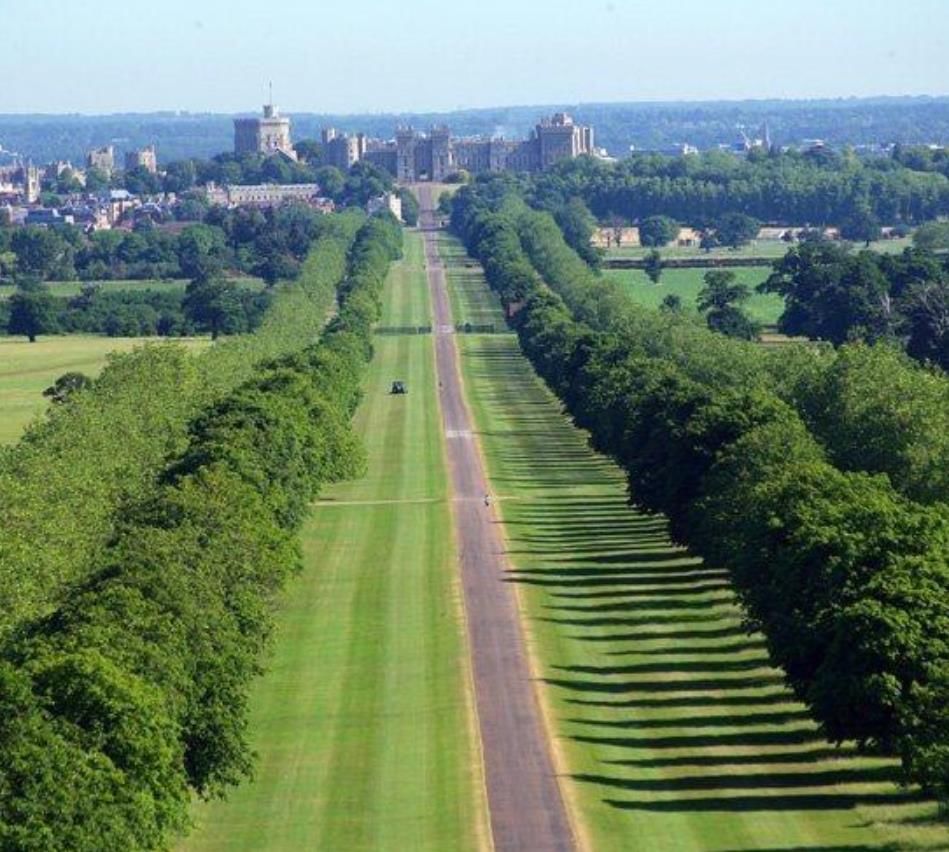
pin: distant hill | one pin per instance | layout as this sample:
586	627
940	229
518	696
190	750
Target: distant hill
856	121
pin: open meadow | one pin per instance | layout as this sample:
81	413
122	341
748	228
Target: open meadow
139	285
363	722
757	248
671	728
686	284
27	369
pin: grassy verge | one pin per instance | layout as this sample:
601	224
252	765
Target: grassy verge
471	302
686	283
363	722
672	730
27	369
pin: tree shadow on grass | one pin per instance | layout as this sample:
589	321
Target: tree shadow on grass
783	802
886	847
692	692
659	687
756	699
753	781
811	754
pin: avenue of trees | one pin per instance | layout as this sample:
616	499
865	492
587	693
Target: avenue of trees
124	685
839	553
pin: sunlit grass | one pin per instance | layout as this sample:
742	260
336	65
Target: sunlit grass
673	730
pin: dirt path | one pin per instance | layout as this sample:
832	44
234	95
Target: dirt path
527	809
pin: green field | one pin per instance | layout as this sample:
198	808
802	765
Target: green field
686	283
27	369
363	723
470	301
174	285
762	248
671	729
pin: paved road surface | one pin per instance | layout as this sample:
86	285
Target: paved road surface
527	809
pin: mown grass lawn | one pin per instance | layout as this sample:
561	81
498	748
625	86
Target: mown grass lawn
363	723
27	369
686	284
161	285
672	730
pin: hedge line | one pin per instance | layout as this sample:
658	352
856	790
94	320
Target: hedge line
133	693
847	578
61	484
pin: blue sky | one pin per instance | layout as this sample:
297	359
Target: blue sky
378	55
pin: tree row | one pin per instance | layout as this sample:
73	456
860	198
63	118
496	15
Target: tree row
847	578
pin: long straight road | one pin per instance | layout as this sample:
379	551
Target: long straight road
525	802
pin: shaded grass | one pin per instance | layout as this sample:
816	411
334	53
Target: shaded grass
363	722
27	369
674	731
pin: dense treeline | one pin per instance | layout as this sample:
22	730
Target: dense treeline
133	693
129	313
873	409
60	485
832	293
847	578
820	188
269	243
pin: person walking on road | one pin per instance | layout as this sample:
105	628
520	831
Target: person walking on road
487	499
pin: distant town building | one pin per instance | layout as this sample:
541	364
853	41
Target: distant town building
102	159
116	203
413	156
267	135
265	195
31	183
673	149
20	182
56	168
390	201
47	218
144	158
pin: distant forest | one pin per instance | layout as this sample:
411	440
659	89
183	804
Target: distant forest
856	121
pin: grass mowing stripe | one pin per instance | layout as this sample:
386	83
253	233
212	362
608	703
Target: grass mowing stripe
676	731
362	722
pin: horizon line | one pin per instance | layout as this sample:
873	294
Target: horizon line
829	99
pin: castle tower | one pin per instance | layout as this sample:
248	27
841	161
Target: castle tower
406	141
442	160
558	138
267	135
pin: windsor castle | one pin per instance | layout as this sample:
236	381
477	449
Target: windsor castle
414	156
